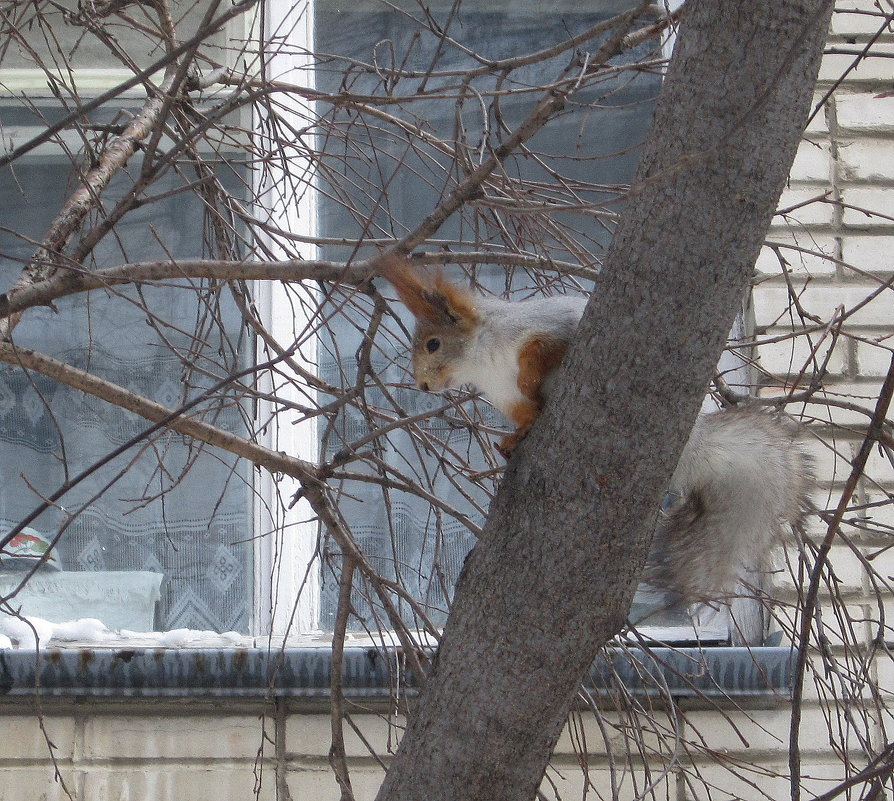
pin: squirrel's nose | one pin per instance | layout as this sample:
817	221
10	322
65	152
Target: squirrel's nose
423	385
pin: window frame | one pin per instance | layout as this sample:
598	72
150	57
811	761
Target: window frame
287	597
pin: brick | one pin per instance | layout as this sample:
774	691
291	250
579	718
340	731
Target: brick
196	735
861	624
819	410
812	162
815	212
880	469
714	782
881	562
821	684
864	111
825	498
751	732
846	623
817	122
311	735
859	5
845	564
861	397
868	159
164	781
567	780
320	785
856	25
881	514
822	299
876	69
831	457
817	779
882	723
308	735
586	732
884	666
791	356
811	258
37	784
23	739
869	253
874	621
872	207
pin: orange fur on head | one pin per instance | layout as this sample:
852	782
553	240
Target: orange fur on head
431	298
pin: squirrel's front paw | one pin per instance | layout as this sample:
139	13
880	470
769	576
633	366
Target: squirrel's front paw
506	446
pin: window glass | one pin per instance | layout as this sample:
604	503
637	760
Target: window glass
167	515
54	40
376	185
178	518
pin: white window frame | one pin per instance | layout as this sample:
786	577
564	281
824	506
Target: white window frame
287	576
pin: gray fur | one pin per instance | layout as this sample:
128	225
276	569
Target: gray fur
505	327
741	483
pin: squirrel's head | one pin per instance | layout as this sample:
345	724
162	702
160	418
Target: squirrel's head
445	321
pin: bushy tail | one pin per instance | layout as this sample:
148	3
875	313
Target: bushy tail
742	484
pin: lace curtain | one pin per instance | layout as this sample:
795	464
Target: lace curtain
170	506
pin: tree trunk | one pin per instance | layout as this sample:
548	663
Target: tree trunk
567	535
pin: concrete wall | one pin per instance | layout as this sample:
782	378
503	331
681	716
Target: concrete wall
210	752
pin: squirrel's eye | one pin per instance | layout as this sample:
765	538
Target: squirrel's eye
433	344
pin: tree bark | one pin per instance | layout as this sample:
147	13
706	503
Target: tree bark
552	578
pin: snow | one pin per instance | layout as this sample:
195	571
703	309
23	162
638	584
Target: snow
181	638
17	632
27	633
87	629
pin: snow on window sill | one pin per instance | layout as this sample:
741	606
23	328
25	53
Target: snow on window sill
28	633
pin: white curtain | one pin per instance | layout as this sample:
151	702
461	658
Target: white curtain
171	507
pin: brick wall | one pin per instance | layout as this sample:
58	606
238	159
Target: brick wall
818	307
813	310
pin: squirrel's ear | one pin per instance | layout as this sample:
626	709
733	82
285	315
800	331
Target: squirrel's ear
455	303
434	300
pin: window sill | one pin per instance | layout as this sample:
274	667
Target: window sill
303	672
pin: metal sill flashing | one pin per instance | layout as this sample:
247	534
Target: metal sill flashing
304	672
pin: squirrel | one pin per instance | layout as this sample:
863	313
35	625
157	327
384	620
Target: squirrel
742	480
507	350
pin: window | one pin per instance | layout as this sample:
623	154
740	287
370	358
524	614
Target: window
314	167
